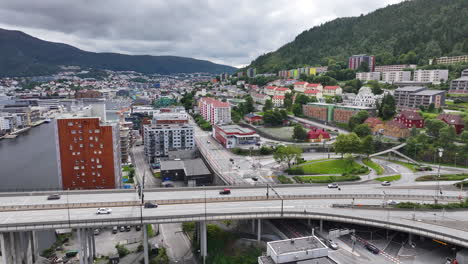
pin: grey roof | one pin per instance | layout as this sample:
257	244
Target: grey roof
172	165
429	92
463	78
322	260
195	167
411	88
300	244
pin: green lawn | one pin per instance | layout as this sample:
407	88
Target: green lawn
126	168
389	178
429	115
284	133
338	166
369	163
446	177
157	174
285	180
410	166
326	179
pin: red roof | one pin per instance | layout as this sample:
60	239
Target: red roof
311	91
271	87
451	119
331	87
300	83
396	124
315	133
410	115
214	102
313	85
373	121
282	89
280	97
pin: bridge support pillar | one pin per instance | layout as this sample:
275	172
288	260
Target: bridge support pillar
308	221
18	247
321	225
259	231
203	244
253	226
410	238
87	249
145	243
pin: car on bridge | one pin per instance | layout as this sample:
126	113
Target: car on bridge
225	191
386	183
151	205
53	197
372	248
104	211
332	244
333	185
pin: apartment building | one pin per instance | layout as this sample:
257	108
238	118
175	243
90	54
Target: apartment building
159	140
170	116
214	111
396	67
88	153
396	76
368	76
332	90
452	60
460	85
231	136
433	76
251	72
412	97
356	60
333	113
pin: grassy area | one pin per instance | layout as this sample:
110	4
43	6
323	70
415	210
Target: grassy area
284	133
127	168
285	180
389	178
410	205
446	177
150	230
369	163
326	179
426	115
410	166
339	166
157	175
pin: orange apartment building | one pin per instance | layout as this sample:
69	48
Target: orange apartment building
88	152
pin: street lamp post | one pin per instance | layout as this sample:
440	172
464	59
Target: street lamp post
438	191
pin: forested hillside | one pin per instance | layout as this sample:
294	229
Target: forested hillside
410	32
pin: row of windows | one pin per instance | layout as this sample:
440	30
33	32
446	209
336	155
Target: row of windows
79	153
91	145
89	131
83	167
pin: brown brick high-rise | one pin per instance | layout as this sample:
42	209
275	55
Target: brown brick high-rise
88	153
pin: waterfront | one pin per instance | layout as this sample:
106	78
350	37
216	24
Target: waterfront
29	161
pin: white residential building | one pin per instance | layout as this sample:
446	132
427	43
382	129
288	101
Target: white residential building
365	98
433	76
160	139
214	111
300	86
396	76
398	67
278	100
332	90
368	76
260	98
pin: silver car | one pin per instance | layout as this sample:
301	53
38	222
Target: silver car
332	244
104	211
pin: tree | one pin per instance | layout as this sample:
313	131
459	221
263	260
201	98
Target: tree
297	110
248	106
363	67
367	145
362	130
268	105
433	127
358	119
302	99
387	108
347	143
287	154
375	86
299	133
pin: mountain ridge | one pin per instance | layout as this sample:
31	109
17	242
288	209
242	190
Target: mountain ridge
25	55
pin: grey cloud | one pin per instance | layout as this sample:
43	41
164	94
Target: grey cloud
230	32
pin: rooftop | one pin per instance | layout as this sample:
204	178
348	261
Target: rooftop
429	92
235	129
295	245
411	88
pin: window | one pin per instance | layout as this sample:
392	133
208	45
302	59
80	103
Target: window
82	167
76	167
73	131
81	145
90	131
91	145
97	131
99	166
101	145
83	174
90	138
92	159
97	160
70	123
71	147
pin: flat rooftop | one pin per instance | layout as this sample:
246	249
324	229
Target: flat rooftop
429	92
236	129
295	245
322	260
411	88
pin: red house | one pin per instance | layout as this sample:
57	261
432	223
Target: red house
410	119
453	120
317	135
253	118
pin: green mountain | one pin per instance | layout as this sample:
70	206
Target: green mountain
24	55
410	32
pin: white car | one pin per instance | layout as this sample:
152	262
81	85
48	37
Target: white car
333	185
392	202
332	244
386	183
104	211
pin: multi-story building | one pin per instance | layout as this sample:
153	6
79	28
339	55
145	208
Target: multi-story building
398	67
88	94
368	76
159	140
410	119
260	98
278	100
452	60
170	116
300	86
396	76
356	60
333	113
231	136
365	98
251	72
314	93
460	85
332	90
88	153
412	97
392	129
214	111
433	76
125	144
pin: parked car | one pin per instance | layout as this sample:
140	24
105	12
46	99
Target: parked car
392	202
104	211
151	205
53	197
225	191
255	178
115	229
96	231
386	183
333	185
128	228
372	248
137	228
332	244
122	229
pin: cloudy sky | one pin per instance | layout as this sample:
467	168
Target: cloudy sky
223	31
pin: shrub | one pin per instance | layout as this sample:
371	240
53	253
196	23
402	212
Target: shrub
188	226
122	250
285	180
296	171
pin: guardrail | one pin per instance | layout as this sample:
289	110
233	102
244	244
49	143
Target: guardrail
227	199
400	224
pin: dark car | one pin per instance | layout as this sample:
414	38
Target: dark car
53	197
137	228
151	205
115	229
122	229
225	191
372	248
128	228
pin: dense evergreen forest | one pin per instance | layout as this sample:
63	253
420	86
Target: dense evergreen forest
410	32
